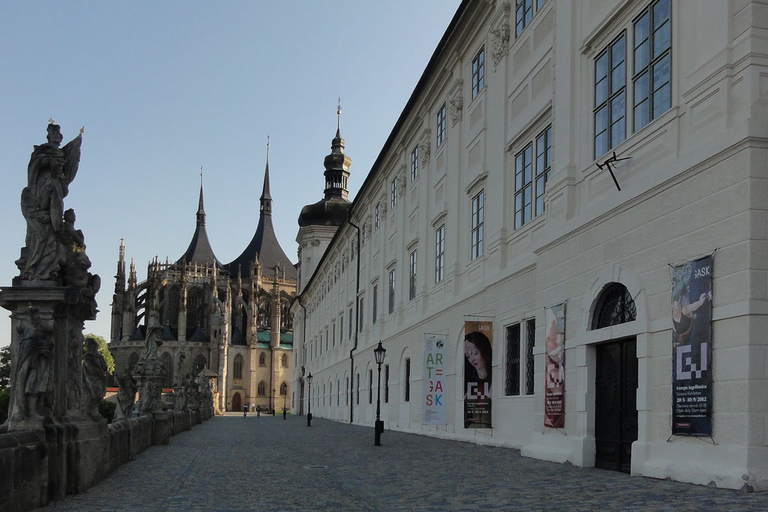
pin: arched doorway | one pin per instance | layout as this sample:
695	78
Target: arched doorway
237	402
616	380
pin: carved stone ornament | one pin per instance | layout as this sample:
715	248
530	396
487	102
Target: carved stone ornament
456	106
425	149
500	41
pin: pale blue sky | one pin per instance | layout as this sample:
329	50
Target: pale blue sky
164	88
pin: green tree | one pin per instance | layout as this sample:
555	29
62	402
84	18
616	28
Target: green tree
5	367
103	350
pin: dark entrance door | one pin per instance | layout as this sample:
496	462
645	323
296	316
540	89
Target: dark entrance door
616	408
237	404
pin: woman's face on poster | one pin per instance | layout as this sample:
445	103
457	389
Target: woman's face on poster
473	355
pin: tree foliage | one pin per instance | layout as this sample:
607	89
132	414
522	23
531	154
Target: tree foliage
5	367
103	350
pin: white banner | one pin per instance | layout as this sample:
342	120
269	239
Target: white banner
434	379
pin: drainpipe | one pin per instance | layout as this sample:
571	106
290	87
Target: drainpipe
304	340
357	319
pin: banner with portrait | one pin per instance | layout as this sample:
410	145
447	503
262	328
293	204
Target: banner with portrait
692	347
554	371
478	362
434	379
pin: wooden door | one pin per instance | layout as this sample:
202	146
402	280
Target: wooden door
616	407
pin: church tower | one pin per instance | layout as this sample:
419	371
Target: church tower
318	222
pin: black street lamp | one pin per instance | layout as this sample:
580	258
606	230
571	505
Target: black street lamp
379	353
274	400
309	400
285	402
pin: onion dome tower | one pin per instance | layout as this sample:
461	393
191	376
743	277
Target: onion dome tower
318	222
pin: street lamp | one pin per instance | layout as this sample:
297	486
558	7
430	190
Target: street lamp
309	400
379	353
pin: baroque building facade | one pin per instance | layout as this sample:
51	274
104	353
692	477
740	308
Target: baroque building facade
558	174
228	320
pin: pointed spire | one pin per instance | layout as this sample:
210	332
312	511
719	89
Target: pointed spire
132	277
200	207
266	198
120	277
337	164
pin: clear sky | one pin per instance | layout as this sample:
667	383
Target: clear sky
164	88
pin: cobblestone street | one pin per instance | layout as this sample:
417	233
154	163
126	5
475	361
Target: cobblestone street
266	464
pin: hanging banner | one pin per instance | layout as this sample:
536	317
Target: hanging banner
478	360
434	379
554	371
692	347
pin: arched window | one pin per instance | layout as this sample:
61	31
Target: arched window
238	367
283	389
167	361
262	359
262	389
284	360
199	365
614	306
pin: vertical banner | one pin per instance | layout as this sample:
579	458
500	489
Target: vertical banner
434	383
554	371
692	347
478	361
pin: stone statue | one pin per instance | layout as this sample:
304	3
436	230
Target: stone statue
126	395
179	377
51	169
94	380
147	398
33	379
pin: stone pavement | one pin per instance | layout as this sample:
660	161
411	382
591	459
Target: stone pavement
267	464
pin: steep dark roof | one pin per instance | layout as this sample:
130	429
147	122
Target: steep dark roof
199	250
264	243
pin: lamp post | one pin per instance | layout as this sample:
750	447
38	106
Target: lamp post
274	400
309	400
379	353
285	402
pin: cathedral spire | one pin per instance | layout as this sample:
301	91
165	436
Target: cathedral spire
200	208
266	198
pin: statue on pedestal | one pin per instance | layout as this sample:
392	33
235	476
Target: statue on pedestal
51	169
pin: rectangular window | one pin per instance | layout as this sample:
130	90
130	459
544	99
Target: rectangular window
346	392
352	251
651	77
610	96
478	205
393	192
357	388
523	15
529	201
415	163
530	331
440	127
386	383
391	291
362	315
333	339
543	166
370	386
523	185
407	383
512	377
439	253
376	215
412	275
341	330
351	327
375	303
478	73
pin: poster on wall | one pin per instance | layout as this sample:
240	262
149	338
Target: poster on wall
434	379
692	347
554	371
478	359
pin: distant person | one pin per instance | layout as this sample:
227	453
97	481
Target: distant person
258	411
245	410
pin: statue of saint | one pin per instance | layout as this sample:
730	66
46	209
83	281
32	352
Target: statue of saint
94	379
126	395
33	369
51	169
